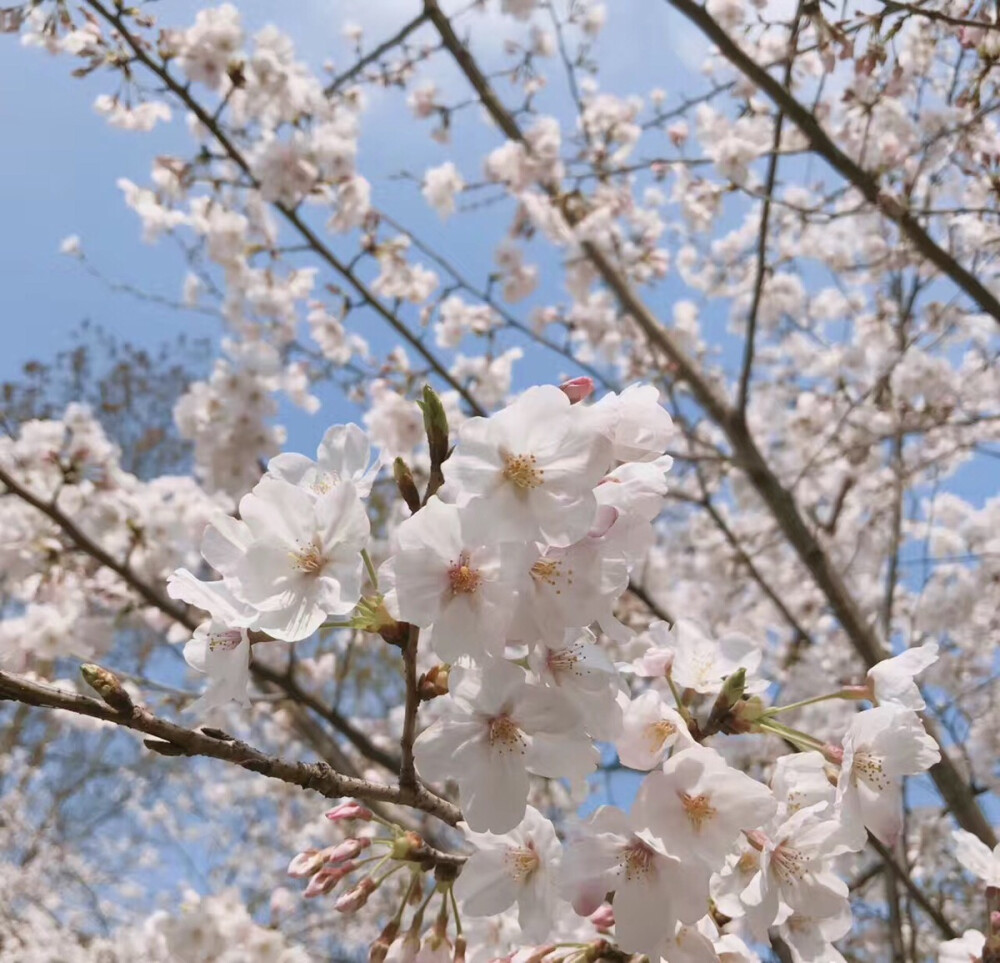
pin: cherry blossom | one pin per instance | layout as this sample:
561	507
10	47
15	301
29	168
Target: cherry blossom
521	867
698	805
534	465
881	746
498	728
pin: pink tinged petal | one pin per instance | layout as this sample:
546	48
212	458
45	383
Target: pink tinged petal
562	756
577	389
422	586
493	788
486	885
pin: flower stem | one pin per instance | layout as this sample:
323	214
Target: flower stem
370	568
801	739
774	710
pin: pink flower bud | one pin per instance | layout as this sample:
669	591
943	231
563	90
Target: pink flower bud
603	917
348	849
349	810
577	389
354	899
326	879
833	754
305	864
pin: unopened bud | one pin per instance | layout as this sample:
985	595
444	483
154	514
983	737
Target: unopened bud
832	753
348	849
732	692
434	682
577	389
327	878
744	716
603	917
349	810
380	948
107	685
354	899
410	946
436	425
305	864
459	955
406	485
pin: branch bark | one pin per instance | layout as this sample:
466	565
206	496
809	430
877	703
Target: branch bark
190	742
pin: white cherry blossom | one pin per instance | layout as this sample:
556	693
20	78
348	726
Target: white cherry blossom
533	465
880	747
520	867
442	577
497	728
894	680
698	805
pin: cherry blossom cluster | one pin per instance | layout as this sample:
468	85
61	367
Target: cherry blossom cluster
507	567
531	549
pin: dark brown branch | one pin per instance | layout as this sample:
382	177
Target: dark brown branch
373	55
407	772
190	742
183	616
918	895
865	182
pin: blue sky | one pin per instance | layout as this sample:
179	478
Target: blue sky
60	162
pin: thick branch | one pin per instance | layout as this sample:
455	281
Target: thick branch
180	614
189	742
865	182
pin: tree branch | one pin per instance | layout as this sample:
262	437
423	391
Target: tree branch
289	214
383	48
189	742
779	500
407	772
865	182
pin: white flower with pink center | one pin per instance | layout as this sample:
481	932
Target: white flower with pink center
443	577
344	454
698	805
880	747
653	889
530	469
497	727
893	681
650	727
795	869
516	867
